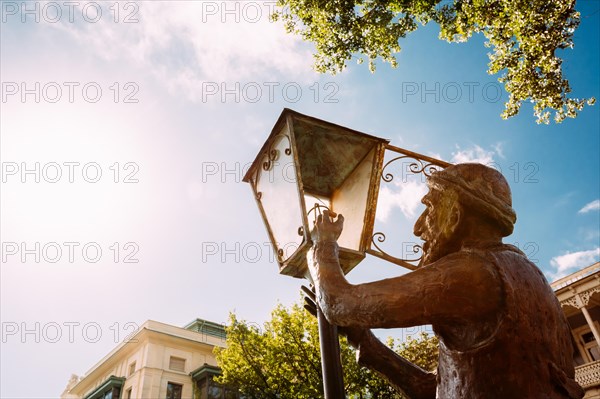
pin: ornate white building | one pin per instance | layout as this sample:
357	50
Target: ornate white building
579	296
158	361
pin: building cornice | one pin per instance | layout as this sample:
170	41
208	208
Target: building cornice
577	278
576	289
149	331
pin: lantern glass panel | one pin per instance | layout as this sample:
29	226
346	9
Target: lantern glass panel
351	200
279	197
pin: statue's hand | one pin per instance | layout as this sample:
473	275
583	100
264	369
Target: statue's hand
326	230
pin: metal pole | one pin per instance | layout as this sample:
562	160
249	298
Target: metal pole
333	380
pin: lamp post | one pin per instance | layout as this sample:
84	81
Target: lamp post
307	165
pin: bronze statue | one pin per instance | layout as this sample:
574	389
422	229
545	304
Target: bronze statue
502	332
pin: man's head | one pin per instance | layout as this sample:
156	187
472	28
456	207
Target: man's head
465	202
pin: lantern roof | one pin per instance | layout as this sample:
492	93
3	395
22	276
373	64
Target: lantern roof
329	152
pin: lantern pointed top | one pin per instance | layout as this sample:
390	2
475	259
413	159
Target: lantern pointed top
334	147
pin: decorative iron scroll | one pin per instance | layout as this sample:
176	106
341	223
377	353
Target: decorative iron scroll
420	164
273	154
380	237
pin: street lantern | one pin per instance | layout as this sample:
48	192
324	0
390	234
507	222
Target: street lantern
308	165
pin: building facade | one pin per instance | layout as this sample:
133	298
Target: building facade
158	361
579	296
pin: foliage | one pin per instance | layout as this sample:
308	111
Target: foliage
525	36
282	360
422	351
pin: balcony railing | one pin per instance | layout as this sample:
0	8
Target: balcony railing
588	375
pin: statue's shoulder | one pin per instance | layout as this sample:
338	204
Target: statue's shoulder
491	253
472	256
470	266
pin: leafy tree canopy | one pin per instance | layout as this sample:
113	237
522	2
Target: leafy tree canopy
282	359
525	36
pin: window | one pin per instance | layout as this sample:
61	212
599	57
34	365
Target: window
132	368
206	388
587	344
128	393
174	390
177	364
215	392
109	389
591	346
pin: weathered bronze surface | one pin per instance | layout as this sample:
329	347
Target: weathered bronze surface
501	330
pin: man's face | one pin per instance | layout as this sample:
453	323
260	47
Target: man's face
436	225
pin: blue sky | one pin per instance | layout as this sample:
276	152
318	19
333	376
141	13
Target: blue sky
177	98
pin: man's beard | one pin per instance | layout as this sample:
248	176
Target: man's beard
432	251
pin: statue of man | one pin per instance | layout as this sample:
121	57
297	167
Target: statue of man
501	330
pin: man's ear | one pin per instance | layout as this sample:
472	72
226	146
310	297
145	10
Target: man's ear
454	218
451	213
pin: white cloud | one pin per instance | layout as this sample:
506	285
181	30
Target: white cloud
499	149
571	261
592	206
591	235
407	197
189	44
473	154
